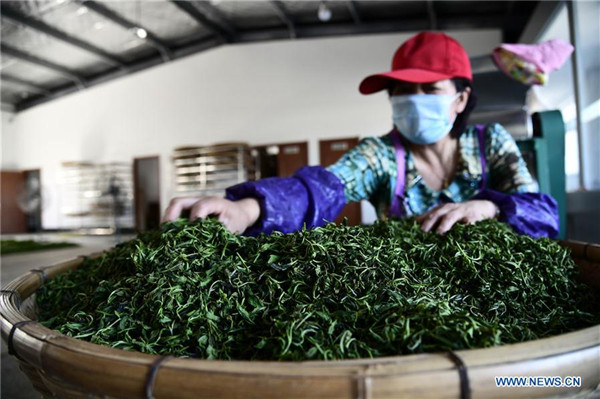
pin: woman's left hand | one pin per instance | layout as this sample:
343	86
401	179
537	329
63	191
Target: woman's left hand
446	215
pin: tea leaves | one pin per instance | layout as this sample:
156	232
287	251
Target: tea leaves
336	292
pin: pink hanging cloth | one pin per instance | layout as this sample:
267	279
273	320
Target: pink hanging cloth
531	63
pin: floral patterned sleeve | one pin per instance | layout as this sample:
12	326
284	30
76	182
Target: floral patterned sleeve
364	169
508	171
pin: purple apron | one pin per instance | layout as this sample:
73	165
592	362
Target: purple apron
397	206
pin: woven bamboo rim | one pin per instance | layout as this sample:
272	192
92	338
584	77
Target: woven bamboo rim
60	366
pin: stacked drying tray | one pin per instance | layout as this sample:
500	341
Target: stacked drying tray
88	194
209	170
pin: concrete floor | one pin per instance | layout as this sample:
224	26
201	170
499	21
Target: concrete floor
13	383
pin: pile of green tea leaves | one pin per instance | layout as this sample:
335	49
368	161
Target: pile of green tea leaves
196	290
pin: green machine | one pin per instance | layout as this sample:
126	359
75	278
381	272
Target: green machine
545	157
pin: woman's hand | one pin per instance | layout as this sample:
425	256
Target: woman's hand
446	215
237	216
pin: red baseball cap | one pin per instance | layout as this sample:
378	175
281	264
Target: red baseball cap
425	57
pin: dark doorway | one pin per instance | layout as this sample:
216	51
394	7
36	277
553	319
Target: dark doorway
291	157
14	219
330	151
146	192
265	158
280	160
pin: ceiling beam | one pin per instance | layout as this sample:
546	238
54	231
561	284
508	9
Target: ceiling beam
190	8
470	23
151	38
431	15
16	16
217	16
25	83
332	30
285	16
61	70
354	12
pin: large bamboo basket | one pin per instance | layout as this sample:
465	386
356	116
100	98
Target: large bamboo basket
60	366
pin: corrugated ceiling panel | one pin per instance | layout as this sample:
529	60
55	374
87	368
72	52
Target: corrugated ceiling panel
35	8
32	73
80	22
162	18
7	28
53	50
251	14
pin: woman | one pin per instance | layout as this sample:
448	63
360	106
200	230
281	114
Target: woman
431	165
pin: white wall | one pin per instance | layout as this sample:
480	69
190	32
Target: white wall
260	93
7	140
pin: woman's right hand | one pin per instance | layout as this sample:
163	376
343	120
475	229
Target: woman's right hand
237	216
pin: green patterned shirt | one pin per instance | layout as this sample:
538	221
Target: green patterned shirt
369	172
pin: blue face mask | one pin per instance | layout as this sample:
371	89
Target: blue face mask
423	118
